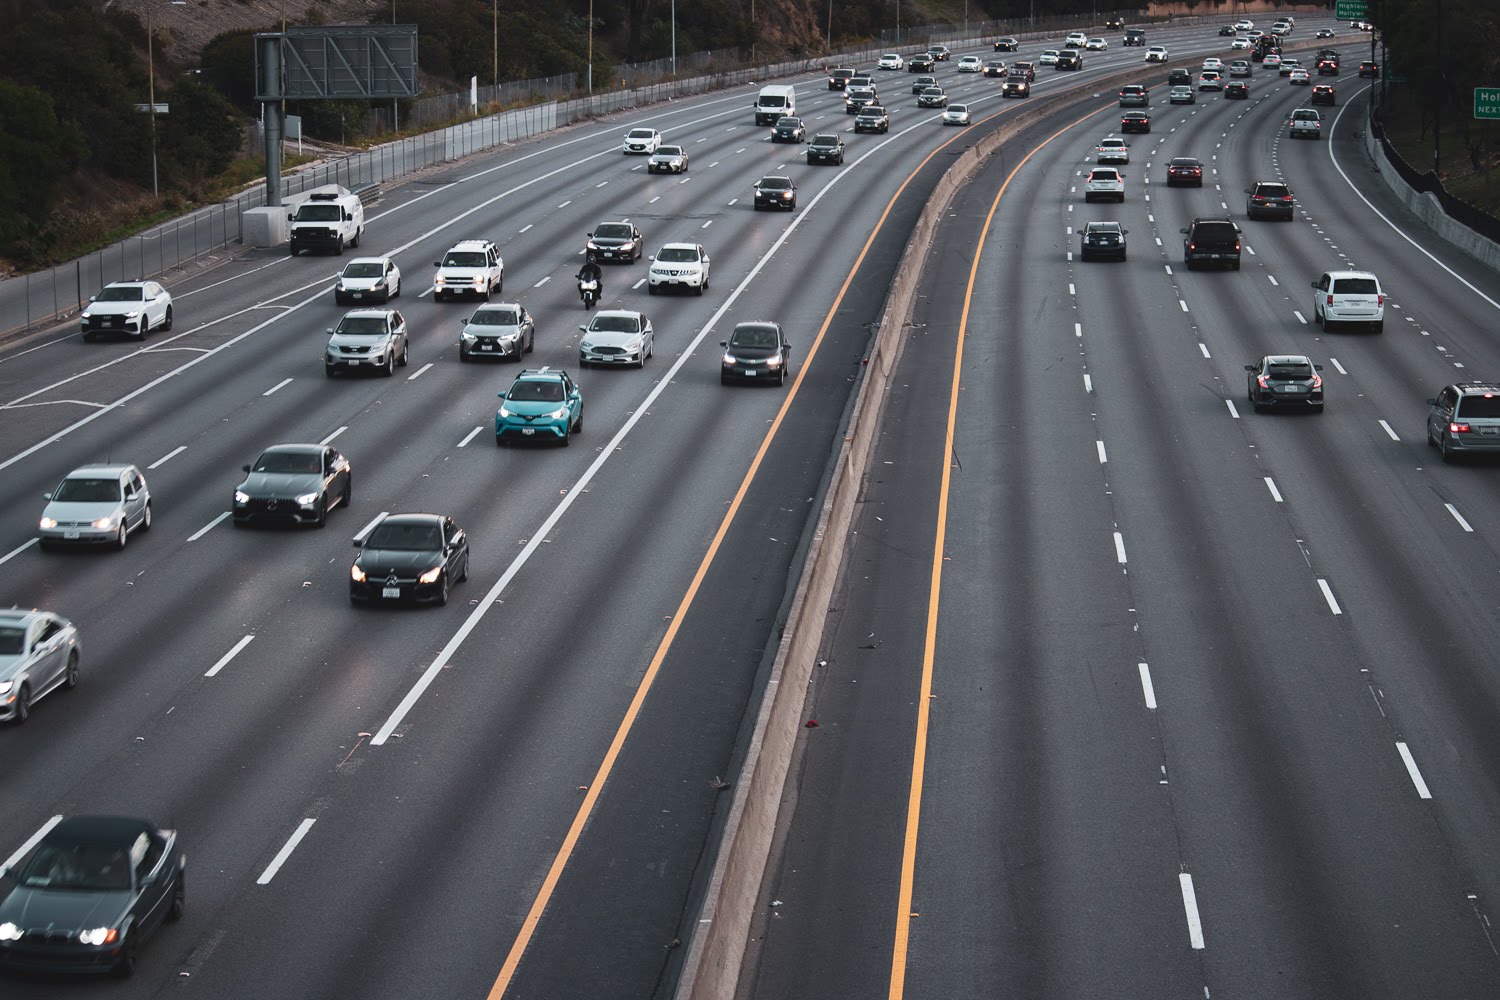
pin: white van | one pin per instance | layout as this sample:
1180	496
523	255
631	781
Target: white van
775	101
331	218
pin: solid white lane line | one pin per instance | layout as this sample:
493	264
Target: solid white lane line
1204	348
470	436
1300	318
1335	363
1147	688
233	652
417	374
638	283
1333	604
1458	517
1388	430
32	841
1088	383
1103	456
360	535
1411	769
1275	493
18	550
1120	548
167	457
539	284
1190	906
1232	411
527	226
279	385
207	527
329	438
285	852
1272	279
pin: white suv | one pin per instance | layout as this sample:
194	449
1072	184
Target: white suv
1156	53
678	265
1106	184
133	307
1348	297
472	267
1076	40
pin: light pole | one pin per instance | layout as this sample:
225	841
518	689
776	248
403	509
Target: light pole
830	25
495	47
151	84
591	48
674	37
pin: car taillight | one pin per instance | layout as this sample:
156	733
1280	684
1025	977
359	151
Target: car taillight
1317	382
1330	300
1286	197
1236	246
1458	428
1380	299
1264	382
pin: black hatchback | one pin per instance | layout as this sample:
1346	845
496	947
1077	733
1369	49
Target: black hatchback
1285	382
756	352
788	129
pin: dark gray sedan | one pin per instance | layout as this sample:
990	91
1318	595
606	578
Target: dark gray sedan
293	484
89	895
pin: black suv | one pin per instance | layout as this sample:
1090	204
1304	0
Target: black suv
1211	241
922	62
839	78
1114	23
826	148
1464	419
872	118
1179	78
788	129
1269	199
1069	59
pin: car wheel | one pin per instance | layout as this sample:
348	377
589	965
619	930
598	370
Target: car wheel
395	293
146	518
650	289
322	513
121	535
125	967
531	342
23	705
567	437
339	249
1259	407
442	598
329	370
1378	326
1122	254
405	349
357	234
1431	441
70	675
166	323
179	898
463	357
1236	265
390	365
698	290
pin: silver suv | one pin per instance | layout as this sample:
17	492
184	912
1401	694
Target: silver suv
367	340
1464	419
472	267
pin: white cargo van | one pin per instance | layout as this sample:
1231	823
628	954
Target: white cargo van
775	101
331	218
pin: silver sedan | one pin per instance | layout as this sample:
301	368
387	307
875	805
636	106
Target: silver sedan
39	653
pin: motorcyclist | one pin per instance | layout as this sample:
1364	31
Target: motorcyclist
590	271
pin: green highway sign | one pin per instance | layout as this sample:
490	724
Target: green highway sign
1351	10
1487	102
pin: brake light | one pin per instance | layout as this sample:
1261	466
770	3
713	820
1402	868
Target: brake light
1236	246
1458	428
1264	382
1380	299
1286	197
1330	300
1317	381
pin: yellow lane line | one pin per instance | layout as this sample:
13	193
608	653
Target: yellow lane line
606	766
935	585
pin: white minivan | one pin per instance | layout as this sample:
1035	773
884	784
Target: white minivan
1349	297
778	100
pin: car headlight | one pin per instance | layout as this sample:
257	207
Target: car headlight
560	413
49	522
586	345
356	574
99	935
466	335
8	930
773	362
478	279
591	245
105	522
133	314
730	359
504	414
341	287
241	497
307	499
440	280
431	576
785	195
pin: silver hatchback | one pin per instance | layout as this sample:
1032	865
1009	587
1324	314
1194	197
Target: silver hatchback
97	505
39	653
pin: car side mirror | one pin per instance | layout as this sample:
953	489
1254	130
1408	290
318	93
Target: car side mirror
359	543
330	331
130	494
245	467
1314	284
348	216
93	298
437	263
584	329
652	257
573	394
1183	231
1432	402
723	343
1124	232
48	496
705	260
1251	368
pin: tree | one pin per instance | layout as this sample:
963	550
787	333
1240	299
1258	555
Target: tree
200	136
37	153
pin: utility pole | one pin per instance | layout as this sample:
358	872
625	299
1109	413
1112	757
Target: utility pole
151	86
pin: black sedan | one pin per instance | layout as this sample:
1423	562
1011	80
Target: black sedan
293	484
1006	44
775	192
412	558
1135	121
1285	382
615	241
1102	239
788	129
756	352
89	895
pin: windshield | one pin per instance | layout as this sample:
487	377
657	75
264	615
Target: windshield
789	123
677	255
12	640
1272	190
289	461
611	324
88	491
369	326
367	269
536	391
83	867
496	317
640	133
1478	407
409	537
669	151
122	293
775	184
825	140
612	231
467	258
319	213
754	336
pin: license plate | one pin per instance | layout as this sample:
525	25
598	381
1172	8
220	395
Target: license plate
390	591
751	372
359	295
1489	430
353	361
71	533
486	347
528	430
1289	388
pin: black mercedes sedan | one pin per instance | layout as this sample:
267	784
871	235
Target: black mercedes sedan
293	484
411	558
89	894
756	352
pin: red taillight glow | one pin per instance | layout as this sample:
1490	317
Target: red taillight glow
1458	428
1286	197
1380	299
1317	381
1330	301
1263	382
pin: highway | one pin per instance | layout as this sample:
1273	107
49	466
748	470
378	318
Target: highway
518	794
1132	691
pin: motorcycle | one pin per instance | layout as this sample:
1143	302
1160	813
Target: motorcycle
588	290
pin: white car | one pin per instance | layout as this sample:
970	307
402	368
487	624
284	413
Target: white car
668	160
471	267
1210	80
1048	57
891	60
39	653
133	307
1349	297
970	64
1306	123
1240	43
368	279
97	505
956	114
1076	40
1112	151
1157	53
1271	61
1214	63
641	141
616	337
497	330
1244	24
1096	45
678	265
1104	184
1299	77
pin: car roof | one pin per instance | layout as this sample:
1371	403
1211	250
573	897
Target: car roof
757	324
1351	274
412	518
93	471
825	137
117	830
294	449
125	284
18	616
382	313
1288	359
664	246
495	306
368	260
1481	388
1102	224
611	312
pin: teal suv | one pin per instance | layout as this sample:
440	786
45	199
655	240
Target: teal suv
541	404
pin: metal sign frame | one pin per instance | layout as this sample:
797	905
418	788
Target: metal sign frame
359	62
